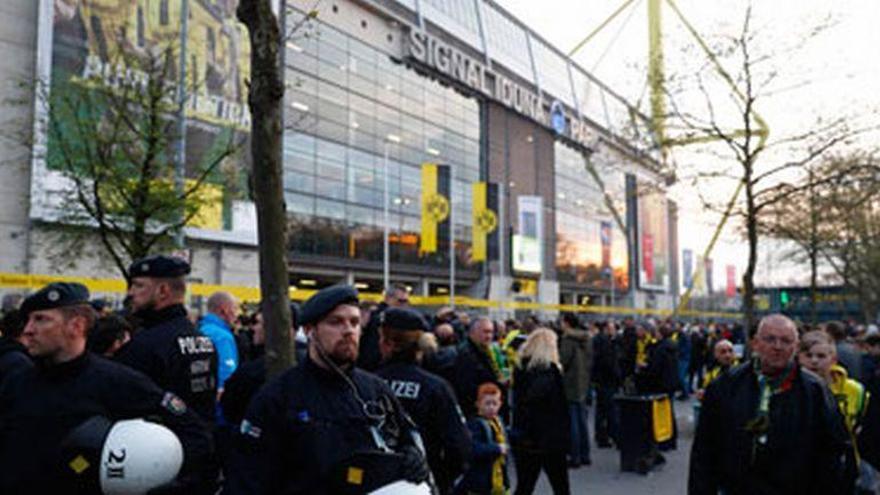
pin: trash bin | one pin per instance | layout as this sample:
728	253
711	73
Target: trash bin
644	421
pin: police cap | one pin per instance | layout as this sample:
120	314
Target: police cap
55	295
159	266
326	300
403	320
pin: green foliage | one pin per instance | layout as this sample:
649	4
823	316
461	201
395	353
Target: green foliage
114	140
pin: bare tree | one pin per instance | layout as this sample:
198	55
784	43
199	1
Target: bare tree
836	224
767	171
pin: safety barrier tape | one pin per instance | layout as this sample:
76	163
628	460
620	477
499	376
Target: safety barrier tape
251	294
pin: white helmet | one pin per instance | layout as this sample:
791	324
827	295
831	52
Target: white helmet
128	457
139	456
403	487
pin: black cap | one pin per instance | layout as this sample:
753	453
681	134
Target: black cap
325	301
403	320
159	266
55	295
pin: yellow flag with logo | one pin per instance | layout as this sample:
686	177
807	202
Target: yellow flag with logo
435	207
484	221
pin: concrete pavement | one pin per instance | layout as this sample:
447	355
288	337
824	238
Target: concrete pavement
604	477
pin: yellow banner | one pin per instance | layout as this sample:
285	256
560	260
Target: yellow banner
435	208
210	214
484	221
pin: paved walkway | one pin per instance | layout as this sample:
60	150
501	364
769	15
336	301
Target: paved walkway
604	477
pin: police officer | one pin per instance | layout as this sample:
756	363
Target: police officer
168	348
325	426
40	406
13	355
427	398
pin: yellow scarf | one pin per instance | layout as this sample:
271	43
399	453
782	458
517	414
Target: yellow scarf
642	349
498	487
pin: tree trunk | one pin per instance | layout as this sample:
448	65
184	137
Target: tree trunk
265	100
752	235
814	251
814	268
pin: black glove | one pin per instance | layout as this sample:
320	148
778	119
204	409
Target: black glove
413	466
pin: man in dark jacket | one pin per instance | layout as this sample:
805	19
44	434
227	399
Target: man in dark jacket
68	386
606	376
13	355
325	426
698	358
369	357
474	365
576	357
427	398
660	375
168	348
869	438
769	428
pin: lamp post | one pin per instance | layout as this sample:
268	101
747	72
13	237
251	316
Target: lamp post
180	168
386	248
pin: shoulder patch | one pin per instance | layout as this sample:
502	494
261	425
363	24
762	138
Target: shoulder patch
173	404
249	429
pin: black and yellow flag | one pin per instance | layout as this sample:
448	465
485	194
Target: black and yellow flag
435	205
485	221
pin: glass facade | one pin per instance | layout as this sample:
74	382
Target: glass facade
349	106
590	246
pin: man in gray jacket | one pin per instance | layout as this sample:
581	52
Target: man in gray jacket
576	357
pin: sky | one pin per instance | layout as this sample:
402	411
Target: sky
829	72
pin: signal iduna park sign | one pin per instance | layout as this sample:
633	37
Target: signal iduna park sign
441	57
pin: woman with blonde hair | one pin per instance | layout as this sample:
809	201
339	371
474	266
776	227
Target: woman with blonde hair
540	432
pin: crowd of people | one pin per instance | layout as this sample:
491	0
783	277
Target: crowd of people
385	393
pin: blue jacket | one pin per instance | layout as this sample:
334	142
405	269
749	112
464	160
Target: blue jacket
486	450
224	342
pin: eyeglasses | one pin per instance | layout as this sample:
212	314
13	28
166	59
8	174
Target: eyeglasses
772	340
402	300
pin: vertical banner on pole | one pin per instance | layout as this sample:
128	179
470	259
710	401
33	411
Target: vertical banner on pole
605	238
709	285
731	281
484	221
435	206
528	249
700	276
687	261
648	255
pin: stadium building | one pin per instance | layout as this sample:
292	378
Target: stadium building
496	166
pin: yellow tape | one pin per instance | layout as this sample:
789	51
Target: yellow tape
252	294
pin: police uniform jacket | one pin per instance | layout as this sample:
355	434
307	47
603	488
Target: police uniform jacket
241	387
303	426
430	402
175	355
13	358
369	356
40	406
806	441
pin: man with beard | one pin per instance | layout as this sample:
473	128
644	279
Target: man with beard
168	348
42	406
326	426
